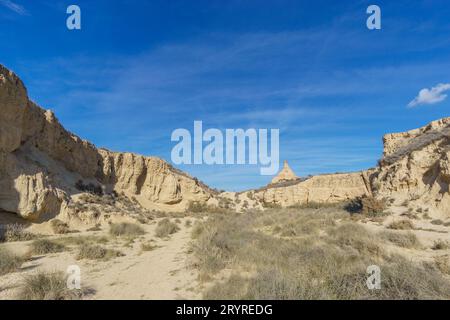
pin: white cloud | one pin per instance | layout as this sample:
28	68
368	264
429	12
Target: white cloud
431	96
17	8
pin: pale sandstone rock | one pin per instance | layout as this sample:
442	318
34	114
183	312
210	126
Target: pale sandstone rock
318	189
40	162
415	168
286	174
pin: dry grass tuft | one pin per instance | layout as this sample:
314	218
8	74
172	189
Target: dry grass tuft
47	286
59	227
443	264
404	240
165	228
126	230
401	225
95	252
45	246
440	245
9	262
14	233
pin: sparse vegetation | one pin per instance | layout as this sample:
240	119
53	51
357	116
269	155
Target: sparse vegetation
401	225
59	227
437	222
89	188
404	240
15	232
165	228
442	263
326	260
197	207
125	229
45	246
367	205
148	246
9	262
95	252
47	286
440	245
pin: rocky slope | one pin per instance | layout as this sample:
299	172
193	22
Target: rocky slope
415	169
41	164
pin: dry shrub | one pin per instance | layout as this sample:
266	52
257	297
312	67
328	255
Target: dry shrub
126	230
440	245
442	263
367	205
15	232
95	252
324	265
9	262
148	246
47	286
59	227
401	225
404	240
45	246
165	228
197	207
355	236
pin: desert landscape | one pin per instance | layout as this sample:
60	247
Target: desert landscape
138	228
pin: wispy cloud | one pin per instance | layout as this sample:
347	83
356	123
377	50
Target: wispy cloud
431	96
17	8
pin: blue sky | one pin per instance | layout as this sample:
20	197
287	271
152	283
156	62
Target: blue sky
140	69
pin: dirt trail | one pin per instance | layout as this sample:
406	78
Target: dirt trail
162	273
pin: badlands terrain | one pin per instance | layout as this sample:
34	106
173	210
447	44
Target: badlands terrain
138	228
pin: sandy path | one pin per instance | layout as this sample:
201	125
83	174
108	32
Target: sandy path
159	274
162	273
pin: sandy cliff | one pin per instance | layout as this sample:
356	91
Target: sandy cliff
41	162
415	168
42	165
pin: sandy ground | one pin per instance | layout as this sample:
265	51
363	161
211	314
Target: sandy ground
163	273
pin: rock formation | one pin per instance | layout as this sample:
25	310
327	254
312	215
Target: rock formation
415	168
286	174
41	162
414	172
330	188
44	168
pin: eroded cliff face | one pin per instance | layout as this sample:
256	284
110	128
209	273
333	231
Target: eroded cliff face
40	163
415	168
330	188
